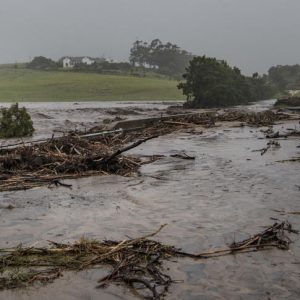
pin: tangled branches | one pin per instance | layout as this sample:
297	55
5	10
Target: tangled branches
63	158
137	263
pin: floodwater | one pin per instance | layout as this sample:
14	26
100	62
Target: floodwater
62	117
228	193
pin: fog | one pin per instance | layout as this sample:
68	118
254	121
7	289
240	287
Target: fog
252	35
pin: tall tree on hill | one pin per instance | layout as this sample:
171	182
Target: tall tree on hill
166	58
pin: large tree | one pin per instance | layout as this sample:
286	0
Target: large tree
42	63
166	58
211	83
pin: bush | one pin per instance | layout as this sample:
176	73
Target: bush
15	122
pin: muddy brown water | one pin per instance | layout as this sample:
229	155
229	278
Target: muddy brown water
61	117
226	194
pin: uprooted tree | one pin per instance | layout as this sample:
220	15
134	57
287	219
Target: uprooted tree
213	83
15	122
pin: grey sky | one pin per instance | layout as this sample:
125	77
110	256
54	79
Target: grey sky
251	34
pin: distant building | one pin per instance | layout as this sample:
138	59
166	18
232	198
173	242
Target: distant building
71	62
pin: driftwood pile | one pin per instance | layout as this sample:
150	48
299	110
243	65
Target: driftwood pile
136	263
73	156
264	118
63	158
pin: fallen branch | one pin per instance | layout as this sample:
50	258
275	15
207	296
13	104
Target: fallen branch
127	148
135	262
183	156
59	183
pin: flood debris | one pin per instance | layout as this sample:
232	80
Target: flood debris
270	145
57	183
277	134
265	118
287	132
272	237
288	102
257	119
66	158
293	159
24	166
136	263
183	155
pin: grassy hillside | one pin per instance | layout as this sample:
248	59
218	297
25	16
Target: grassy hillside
28	85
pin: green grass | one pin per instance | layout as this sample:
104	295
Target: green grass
22	84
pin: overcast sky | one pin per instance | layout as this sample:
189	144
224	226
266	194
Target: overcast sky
251	34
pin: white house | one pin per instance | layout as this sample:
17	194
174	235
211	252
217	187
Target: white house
67	63
71	62
87	60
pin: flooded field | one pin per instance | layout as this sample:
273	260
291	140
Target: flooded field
226	194
61	117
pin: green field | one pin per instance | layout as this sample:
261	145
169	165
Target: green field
29	85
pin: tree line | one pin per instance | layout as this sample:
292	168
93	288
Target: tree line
156	56
206	81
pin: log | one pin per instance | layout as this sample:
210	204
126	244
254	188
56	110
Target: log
127	148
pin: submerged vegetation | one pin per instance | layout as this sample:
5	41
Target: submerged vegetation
15	122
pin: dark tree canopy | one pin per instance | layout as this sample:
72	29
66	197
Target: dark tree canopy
166	58
42	63
213	83
285	77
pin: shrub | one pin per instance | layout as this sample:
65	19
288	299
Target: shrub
15	122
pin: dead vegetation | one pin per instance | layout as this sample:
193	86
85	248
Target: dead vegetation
264	118
78	155
137	263
65	158
208	119
270	145
288	101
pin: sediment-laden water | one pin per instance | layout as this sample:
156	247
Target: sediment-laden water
228	193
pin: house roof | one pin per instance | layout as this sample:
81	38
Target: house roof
76	59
